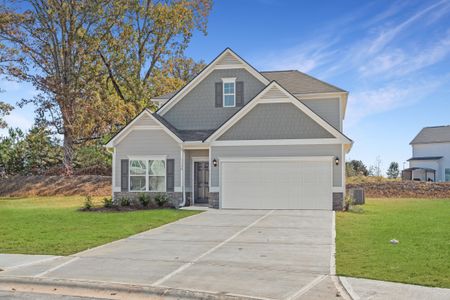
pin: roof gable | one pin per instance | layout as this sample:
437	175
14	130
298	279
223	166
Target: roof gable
275	93
271	121
228	59
428	135
144	120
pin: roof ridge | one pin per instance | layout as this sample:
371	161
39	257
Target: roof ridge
437	126
273	71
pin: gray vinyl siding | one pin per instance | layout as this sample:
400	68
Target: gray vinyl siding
197	109
328	109
146	143
275	121
188	169
219	152
145	120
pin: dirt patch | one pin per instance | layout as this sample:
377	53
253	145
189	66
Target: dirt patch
404	189
20	186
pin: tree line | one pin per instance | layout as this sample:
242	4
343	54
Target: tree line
95	65
358	168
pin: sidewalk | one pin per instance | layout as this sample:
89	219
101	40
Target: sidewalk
359	288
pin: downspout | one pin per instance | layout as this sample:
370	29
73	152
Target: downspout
183	183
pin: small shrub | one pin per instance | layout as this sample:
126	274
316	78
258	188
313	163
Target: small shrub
108	202
124	201
144	199
88	203
348	202
161	199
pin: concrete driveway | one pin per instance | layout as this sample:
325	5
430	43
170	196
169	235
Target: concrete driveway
281	254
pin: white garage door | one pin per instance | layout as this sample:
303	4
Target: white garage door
271	183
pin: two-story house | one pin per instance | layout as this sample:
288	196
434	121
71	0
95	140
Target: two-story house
235	137
430	159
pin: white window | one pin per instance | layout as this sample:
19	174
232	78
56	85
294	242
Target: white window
138	171
147	175
229	92
447	174
157	175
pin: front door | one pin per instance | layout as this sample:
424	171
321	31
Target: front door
201	182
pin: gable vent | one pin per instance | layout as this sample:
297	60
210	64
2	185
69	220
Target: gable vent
228	59
274	93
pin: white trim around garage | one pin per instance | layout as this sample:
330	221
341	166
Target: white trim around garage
327	158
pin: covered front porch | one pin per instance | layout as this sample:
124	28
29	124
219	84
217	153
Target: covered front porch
419	174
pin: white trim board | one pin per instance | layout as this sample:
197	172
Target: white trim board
340	138
276	158
203	74
284	142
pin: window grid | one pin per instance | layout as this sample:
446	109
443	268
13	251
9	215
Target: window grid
144	173
229	95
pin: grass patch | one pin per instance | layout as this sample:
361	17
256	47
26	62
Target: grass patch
421	225
53	225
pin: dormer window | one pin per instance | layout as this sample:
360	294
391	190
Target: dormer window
229	92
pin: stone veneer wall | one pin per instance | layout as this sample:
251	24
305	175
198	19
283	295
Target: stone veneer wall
175	197
338	201
214	200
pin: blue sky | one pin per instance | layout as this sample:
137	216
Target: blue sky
392	56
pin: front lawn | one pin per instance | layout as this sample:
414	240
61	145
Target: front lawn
422	227
53	225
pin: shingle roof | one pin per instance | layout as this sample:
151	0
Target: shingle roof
437	134
184	135
297	82
166	96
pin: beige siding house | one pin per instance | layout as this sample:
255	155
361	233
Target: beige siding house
235	137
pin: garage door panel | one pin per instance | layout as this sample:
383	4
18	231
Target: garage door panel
276	184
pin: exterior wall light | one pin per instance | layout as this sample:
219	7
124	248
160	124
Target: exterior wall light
336	161
215	162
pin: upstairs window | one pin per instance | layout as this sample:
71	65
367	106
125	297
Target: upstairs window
229	92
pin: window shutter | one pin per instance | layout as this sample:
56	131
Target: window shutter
170	175
239	93
124	175
219	94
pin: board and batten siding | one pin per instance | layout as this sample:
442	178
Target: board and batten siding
327	109
147	142
218	152
197	110
145	120
275	121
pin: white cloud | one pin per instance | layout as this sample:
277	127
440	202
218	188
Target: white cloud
385	64
386	98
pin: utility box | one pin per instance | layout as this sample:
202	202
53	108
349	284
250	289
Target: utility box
358	195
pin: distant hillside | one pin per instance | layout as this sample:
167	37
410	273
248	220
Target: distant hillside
387	188
55	185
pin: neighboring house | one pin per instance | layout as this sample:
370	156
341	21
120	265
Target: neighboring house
235	137
431	155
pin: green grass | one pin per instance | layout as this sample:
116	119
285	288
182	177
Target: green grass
421	225
53	225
